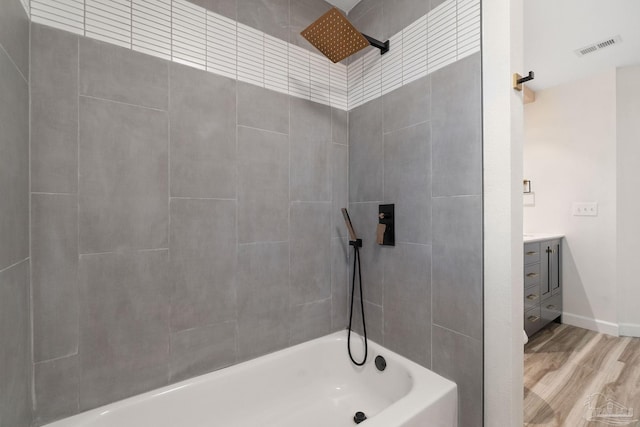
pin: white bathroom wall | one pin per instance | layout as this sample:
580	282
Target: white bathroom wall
628	204
570	156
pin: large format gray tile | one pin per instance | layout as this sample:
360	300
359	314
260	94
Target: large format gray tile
310	252
310	139
54	266
263	186
457	129
221	7
407	181
302	13
123	177
366	152
340	188
339	283
364	217
14	34
201	350
309	321
124	333
407	302
55	389
340	126
459	358
408	105
400	13
14	163
263	298
203	259
362	7
119	74
54	110
269	16
15	351
373	318
457	264
262	108
203	134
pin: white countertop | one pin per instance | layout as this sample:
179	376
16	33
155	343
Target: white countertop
538	237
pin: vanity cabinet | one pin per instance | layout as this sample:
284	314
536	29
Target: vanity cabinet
542	283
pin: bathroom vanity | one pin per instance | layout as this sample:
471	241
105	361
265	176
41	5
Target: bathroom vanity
542	280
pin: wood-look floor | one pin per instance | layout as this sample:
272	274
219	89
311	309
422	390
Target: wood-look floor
564	366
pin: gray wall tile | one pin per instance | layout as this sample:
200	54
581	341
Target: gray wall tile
435	3
362	7
263	298
15	351
302	13
340	126
14	162
340	188
309	321
123	177
407	301
14	34
269	16
54	252
55	389
203	134
124	335
364	217
459	358
119	74
263	186
457	264
457	128
310	252
201	350
262	108
365	152
310	138
203	259
54	110
400	13
407	181
407	105
373	318
221	7
339	283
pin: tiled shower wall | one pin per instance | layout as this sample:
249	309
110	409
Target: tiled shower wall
181	221
420	147
15	328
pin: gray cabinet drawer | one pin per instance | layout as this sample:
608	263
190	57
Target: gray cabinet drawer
532	321
531	297
531	275
551	308
531	253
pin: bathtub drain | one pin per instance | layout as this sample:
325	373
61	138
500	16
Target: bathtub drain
359	417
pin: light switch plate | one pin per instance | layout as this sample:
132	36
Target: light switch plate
584	209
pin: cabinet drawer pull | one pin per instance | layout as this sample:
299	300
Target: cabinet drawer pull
551	307
532	253
532	297
532	275
533	319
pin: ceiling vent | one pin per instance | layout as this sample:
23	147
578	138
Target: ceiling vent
598	46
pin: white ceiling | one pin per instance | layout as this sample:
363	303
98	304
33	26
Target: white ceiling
345	5
553	29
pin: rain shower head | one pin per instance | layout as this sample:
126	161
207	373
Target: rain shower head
334	36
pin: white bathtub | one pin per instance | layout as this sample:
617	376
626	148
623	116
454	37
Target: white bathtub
313	384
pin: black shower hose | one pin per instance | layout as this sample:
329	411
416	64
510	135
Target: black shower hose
356	261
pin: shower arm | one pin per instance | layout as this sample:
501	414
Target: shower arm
383	46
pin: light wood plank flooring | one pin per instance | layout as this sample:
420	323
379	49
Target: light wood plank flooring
564	369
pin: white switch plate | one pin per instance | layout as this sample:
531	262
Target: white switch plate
584	209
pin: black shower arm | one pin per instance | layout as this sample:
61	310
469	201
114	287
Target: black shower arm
383	46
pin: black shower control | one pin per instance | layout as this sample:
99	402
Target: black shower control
386	225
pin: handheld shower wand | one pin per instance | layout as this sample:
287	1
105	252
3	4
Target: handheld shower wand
357	244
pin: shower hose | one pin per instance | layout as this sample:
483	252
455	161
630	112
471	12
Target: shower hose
356	262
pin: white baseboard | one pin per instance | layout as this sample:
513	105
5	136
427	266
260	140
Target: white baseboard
629	330
601	326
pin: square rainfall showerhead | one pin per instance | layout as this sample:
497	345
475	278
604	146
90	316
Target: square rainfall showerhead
334	36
